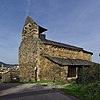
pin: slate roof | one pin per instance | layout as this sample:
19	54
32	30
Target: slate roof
49	42
61	44
41	29
69	62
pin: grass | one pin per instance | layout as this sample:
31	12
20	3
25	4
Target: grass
43	81
31	82
60	82
84	92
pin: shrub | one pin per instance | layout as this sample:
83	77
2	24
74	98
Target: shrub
89	74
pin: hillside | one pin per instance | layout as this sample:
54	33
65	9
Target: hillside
7	65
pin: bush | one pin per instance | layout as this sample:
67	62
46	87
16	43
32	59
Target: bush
89	74
88	87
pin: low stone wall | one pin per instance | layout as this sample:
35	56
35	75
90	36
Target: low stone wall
5	77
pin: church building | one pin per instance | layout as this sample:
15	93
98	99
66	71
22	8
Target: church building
43	59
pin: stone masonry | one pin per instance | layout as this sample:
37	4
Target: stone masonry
34	50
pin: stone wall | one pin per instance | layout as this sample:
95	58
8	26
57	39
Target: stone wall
55	51
28	58
49	70
32	54
5	77
28	51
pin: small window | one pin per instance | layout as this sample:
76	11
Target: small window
71	71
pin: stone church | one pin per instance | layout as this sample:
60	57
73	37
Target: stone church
43	59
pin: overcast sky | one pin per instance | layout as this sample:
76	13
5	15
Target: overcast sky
74	22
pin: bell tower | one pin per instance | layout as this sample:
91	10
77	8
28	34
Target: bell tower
29	51
30	29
